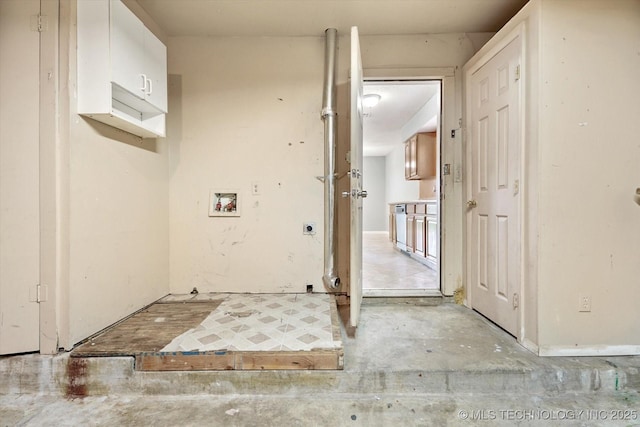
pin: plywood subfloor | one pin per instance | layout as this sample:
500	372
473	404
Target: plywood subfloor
227	332
149	330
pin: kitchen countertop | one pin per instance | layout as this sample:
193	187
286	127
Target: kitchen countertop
404	202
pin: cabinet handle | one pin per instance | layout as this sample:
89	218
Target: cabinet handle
144	83
150	91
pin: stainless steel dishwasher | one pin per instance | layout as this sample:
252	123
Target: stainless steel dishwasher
401	226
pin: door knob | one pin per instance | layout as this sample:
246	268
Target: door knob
472	204
363	194
346	194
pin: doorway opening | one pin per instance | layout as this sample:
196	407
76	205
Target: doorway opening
401	226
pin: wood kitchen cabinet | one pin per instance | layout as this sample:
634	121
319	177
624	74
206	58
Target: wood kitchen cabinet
431	233
420	153
392	224
421	231
420	237
410	232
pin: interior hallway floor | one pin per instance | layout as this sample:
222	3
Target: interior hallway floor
409	364
385	268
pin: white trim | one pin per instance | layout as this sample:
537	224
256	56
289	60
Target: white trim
476	64
446	77
408	73
594	350
51	187
530	345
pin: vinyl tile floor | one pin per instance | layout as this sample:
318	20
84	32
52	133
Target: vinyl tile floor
260	322
386	268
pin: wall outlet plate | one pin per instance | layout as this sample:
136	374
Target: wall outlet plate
309	228
584	304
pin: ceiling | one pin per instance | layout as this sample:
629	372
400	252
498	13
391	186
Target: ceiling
264	18
312	17
399	102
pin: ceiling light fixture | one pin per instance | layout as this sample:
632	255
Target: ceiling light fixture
370	100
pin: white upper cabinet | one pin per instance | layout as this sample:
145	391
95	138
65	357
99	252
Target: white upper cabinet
156	67
122	69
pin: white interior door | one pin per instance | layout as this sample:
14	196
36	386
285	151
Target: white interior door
494	238
357	194
19	177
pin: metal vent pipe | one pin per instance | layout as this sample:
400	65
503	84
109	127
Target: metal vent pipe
330	278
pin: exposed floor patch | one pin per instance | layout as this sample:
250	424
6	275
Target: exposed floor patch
227	332
263	322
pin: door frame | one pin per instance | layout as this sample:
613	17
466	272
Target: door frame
450	219
416	292
469	69
55	56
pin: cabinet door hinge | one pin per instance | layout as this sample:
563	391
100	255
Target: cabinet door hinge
516	300
517	72
39	23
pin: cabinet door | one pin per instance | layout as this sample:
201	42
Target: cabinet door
155	69
420	239
413	154
410	232
407	160
127	50
392	228
425	156
432	238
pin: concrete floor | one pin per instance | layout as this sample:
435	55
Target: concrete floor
409	365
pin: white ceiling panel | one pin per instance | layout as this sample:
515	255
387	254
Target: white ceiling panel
312	17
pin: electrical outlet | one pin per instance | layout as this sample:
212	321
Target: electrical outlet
255	188
584	303
309	228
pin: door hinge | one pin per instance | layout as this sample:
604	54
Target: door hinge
39	23
516	300
517	72
347	157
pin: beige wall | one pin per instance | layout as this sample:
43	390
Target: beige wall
118	221
248	110
249	113
589	170
580	173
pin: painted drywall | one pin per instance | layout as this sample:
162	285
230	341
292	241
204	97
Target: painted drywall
118	221
398	188
249	116
19	178
250	113
589	157
375	210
